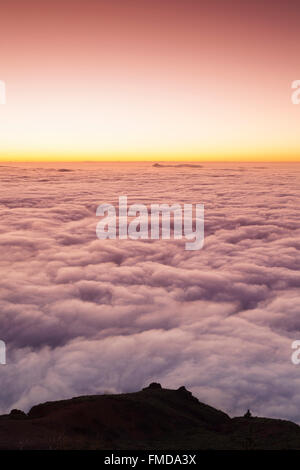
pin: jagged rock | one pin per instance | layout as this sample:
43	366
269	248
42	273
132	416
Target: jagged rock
17	414
187	393
153	386
184	390
248	414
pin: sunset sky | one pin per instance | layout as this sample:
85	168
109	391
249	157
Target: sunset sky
149	80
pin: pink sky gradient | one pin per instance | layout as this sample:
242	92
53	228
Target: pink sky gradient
142	80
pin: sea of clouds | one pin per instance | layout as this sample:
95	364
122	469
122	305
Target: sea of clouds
84	316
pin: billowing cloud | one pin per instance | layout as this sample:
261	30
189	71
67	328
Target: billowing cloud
81	315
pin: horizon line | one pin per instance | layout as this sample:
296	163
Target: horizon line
56	160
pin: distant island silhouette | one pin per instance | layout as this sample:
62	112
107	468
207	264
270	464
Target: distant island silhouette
154	418
179	165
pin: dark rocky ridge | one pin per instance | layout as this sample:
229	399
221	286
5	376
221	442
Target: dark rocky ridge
154	418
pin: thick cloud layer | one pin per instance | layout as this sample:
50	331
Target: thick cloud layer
81	315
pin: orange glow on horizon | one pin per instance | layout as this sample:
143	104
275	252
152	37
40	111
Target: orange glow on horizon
143	81
269	157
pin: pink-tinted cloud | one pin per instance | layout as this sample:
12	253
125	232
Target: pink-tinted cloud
81	316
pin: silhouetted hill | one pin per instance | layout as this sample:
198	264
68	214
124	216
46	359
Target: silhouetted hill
154	418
